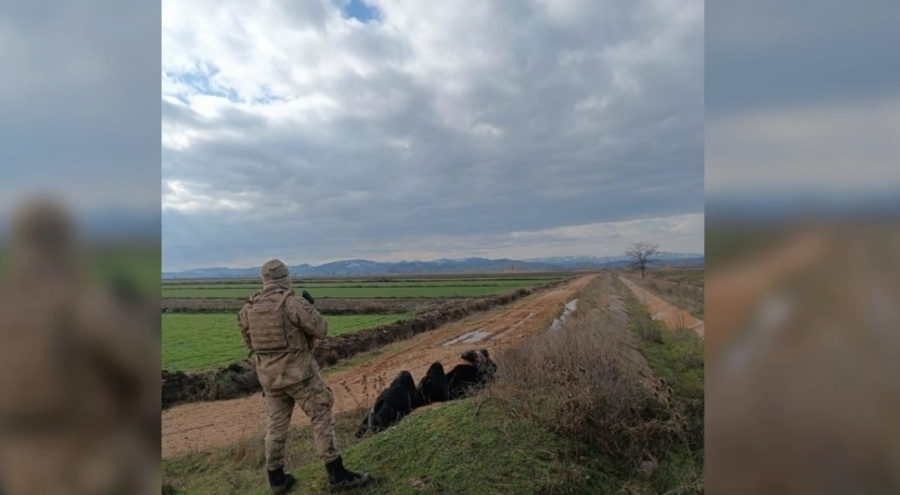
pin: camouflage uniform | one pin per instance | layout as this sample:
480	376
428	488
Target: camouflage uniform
281	330
79	389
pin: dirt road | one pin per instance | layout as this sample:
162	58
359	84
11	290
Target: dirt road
207	425
811	371
733	291
661	309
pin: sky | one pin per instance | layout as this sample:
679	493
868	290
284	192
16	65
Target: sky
398	130
802	100
79	100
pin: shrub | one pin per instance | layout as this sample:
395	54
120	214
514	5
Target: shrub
588	381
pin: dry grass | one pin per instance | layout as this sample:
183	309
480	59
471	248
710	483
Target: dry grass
585	382
681	291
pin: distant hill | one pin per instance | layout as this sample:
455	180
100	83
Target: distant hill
465	265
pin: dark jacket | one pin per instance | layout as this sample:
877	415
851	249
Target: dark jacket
392	404
487	367
433	386
463	380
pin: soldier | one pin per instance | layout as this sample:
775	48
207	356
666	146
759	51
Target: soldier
79	376
281	330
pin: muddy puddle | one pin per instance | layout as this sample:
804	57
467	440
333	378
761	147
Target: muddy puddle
468	337
567	309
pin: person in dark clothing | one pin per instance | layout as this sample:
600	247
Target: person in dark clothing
487	366
433	386
465	377
392	404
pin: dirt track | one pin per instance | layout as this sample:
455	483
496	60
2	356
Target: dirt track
207	425
660	309
732	291
810	368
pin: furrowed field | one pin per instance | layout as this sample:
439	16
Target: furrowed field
471	287
196	341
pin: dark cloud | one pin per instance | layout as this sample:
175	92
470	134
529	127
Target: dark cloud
801	97
75	87
768	54
522	119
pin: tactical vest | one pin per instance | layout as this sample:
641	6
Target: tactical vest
268	332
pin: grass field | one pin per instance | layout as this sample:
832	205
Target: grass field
360	288
351	292
137	263
458	447
192	342
688	276
730	239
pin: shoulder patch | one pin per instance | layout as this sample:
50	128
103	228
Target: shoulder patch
306	305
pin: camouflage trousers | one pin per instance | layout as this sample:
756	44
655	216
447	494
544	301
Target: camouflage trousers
315	399
80	462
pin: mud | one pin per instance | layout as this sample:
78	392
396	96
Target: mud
469	338
239	379
513	327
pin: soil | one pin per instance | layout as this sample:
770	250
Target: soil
733	290
660	309
208	425
807	363
239	379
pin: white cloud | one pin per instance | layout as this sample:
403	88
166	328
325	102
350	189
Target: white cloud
473	118
188	198
822	146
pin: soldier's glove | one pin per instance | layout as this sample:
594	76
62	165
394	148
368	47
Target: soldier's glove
308	297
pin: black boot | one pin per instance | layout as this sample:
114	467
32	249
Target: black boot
279	482
340	479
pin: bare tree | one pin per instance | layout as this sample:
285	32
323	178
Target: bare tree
642	254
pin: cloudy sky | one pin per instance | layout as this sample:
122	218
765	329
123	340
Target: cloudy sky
323	130
79	107
802	99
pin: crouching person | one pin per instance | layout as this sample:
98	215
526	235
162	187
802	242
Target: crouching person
465	377
433	386
487	368
392	404
281	329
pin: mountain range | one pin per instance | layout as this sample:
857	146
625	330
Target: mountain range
443	265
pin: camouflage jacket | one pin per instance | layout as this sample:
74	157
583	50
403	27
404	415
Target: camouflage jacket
303	325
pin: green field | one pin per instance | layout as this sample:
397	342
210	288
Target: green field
360	288
460	447
192	342
138	264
